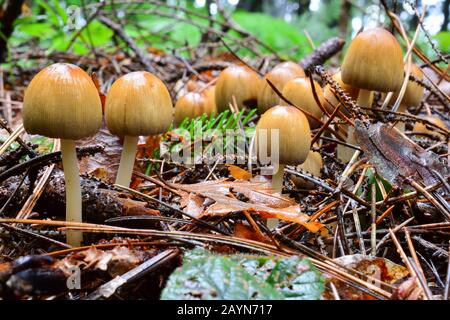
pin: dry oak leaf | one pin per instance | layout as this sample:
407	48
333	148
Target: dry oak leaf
261	199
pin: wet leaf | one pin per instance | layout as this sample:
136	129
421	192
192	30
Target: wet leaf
206	276
262	199
239	173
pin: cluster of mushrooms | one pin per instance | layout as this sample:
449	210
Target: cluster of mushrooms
62	102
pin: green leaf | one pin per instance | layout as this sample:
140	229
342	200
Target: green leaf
297	278
206	276
443	39
216	278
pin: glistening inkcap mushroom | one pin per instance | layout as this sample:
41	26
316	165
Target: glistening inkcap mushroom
192	105
291	127
278	76
62	102
239	82
300	92
373	62
138	103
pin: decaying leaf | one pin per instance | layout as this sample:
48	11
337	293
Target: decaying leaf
261	199
378	268
239	173
108	160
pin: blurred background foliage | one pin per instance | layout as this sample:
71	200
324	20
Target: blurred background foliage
283	25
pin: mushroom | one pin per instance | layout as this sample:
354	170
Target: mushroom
62	102
294	140
313	165
193	105
343	153
413	95
138	103
420	127
299	91
373	62
279	76
239	82
330	99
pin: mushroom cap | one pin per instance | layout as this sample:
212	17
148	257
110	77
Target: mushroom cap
330	100
192	105
299	91
62	101
240	82
414	92
294	134
210	98
422	128
295	67
279	76
374	62
138	103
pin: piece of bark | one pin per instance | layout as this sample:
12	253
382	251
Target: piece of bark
100	201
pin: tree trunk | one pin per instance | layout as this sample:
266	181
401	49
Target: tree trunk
446	12
11	10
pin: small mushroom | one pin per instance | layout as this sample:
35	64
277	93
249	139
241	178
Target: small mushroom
193	105
138	103
420	127
373	62
62	102
300	92
343	153
313	165
330	98
279	76
294	140
239	82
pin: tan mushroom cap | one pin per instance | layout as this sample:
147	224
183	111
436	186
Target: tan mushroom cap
420	127
299	91
138	103
62	101
191	106
414	92
210	98
330	100
294	133
279	76
374	62
313	165
295	67
240	82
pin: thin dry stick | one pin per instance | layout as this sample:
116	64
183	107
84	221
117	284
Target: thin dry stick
406	261
420	272
28	206
373	216
447	281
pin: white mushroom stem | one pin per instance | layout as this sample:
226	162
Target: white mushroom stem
73	190
127	161
277	185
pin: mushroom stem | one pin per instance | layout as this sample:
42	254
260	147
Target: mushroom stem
277	185
73	190
365	98
127	160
